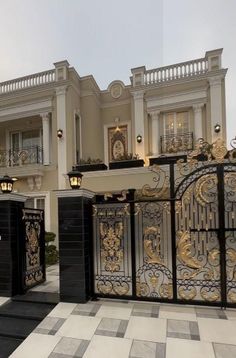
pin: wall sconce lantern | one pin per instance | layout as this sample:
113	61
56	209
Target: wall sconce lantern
75	178
60	133
6	184
217	128
139	138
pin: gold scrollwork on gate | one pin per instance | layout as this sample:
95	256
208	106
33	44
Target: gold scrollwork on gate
161	189
187	293
111	252
107	287
203	189
184	252
152	245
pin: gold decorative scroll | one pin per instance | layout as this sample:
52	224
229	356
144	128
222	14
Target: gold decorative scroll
210	296
184	253
152	245
161	190
187	294
111	252
203	189
216	152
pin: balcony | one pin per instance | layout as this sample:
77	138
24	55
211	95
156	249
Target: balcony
21	157
172	144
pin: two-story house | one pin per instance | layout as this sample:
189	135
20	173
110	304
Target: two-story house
50	120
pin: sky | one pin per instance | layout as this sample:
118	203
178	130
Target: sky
107	38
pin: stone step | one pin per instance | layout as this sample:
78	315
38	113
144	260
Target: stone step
8	345
27	310
42	297
16	327
20	316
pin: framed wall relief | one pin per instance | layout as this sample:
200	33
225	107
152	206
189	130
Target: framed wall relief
117	142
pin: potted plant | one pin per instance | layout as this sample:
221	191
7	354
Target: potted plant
128	160
88	165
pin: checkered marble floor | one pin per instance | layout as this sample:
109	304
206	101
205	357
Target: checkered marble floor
117	329
127	329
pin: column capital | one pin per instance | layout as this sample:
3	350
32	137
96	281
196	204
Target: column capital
215	81
154	114
61	90
198	107
45	116
138	95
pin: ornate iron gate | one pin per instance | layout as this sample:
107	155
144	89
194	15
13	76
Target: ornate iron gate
32	248
177	241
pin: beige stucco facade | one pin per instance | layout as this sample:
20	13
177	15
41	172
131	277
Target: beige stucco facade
35	107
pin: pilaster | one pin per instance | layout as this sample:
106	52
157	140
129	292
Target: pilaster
155	132
216	105
139	148
61	142
198	131
46	137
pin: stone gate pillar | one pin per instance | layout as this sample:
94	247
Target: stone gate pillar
75	244
11	206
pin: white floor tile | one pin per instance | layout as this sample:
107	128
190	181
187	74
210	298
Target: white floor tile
62	310
231	314
147	329
3	300
81	327
217	330
114	311
184	348
108	347
37	346
178	315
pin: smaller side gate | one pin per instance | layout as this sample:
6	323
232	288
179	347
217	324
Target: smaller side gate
32	248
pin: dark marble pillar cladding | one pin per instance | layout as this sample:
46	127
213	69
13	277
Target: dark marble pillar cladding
75	240
10	225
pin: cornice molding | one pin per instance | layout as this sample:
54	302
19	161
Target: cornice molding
116	104
13	197
26	109
70	193
116	172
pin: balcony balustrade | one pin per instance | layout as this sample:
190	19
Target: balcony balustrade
177	71
176	143
21	157
25	82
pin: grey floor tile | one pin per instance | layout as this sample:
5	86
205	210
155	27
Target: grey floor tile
87	309
144	349
204	312
70	347
112	327
183	329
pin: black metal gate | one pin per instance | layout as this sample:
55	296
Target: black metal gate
175	242
32	247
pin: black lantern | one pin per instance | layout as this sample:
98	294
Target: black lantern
59	133
6	184
217	128
139	138
75	178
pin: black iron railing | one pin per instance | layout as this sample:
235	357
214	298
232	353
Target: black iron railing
22	156
176	143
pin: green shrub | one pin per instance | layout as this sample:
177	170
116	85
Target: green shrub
51	252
